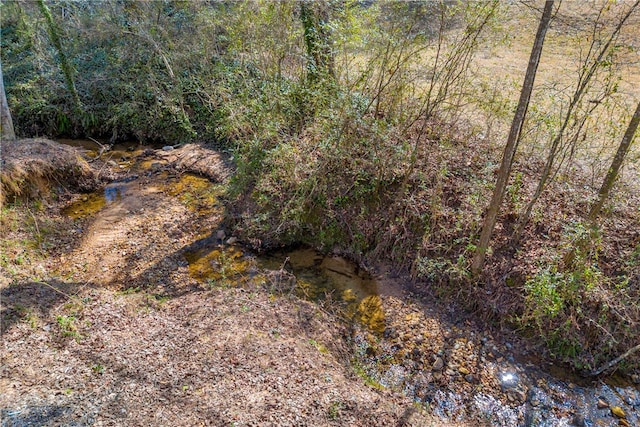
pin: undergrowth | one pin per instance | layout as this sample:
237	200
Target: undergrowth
365	155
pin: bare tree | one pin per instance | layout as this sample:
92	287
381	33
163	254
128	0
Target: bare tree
448	75
616	164
512	142
574	119
6	124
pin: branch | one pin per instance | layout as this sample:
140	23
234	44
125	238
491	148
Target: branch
103	149
615	361
156	47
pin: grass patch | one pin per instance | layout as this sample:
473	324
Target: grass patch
68	326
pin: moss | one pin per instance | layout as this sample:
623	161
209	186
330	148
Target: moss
196	192
217	265
86	205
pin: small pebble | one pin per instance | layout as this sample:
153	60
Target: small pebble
602	404
578	420
438	364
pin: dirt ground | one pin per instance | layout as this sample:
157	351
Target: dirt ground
102	324
105	322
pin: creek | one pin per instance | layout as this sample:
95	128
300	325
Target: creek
454	368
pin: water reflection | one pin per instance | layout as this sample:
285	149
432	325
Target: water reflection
92	203
113	193
321	277
508	380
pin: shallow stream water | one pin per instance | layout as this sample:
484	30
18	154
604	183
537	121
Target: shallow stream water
502	388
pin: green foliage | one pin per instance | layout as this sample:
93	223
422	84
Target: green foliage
97	369
129	83
334	410
239	70
307	182
633	261
564	343
68	326
545	295
514	190
559	299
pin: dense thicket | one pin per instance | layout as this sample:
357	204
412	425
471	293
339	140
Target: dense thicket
370	128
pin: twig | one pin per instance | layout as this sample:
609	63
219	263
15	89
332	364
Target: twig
282	270
103	149
603	329
156	47
40	282
35	223
101	146
615	361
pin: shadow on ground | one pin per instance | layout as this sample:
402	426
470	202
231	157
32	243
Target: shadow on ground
31	300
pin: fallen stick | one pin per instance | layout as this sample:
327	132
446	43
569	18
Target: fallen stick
103	149
615	361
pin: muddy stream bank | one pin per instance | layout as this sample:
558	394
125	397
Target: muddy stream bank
400	339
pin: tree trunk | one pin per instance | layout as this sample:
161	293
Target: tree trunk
616	164
314	16
6	124
512	142
67	70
